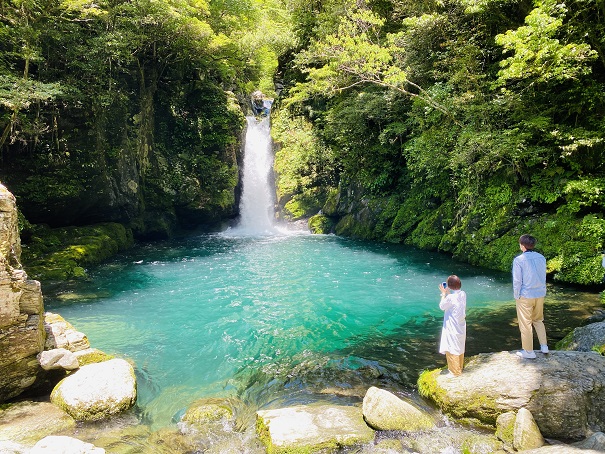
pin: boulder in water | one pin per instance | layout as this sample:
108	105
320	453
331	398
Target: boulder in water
97	391
309	428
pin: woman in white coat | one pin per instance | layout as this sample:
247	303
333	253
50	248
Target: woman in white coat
453	334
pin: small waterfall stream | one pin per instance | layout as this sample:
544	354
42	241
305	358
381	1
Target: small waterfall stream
258	200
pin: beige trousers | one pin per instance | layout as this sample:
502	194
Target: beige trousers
530	312
455	363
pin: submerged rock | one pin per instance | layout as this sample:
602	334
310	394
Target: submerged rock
383	410
312	427
28	422
96	391
564	391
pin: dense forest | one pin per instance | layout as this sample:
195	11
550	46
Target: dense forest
449	125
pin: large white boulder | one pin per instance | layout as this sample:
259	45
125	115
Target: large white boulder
97	391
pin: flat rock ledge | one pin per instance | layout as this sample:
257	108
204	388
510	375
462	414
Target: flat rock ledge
564	391
308	428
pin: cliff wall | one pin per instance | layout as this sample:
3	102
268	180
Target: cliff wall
22	334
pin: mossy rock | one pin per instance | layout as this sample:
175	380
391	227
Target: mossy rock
208	410
63	253
478	409
330	207
305	204
91	356
321	224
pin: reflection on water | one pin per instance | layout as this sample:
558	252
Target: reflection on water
285	320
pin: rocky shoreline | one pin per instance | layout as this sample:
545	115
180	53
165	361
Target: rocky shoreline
555	403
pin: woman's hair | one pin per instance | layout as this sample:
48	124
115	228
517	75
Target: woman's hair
453	282
528	241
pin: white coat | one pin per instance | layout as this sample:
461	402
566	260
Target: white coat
453	333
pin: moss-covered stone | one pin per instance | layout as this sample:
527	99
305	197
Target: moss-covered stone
321	224
91	356
300	206
564	343
330	207
63	253
478	409
208	410
505	426
485	235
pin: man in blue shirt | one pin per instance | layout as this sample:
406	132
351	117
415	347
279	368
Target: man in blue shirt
529	287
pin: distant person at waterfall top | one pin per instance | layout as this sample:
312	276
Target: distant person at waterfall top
453	333
529	288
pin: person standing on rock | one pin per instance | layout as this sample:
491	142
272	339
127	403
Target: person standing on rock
453	333
529	288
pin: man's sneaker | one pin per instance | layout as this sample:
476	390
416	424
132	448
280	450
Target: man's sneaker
527	355
544	349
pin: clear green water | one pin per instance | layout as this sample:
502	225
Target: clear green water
286	319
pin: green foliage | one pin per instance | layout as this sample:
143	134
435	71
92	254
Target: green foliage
302	161
538	54
469	124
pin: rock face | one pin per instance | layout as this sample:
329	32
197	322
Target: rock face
22	334
585	338
97	391
383	410
564	391
312	428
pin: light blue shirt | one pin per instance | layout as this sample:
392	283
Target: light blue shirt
529	275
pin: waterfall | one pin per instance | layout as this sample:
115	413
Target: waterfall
257	201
